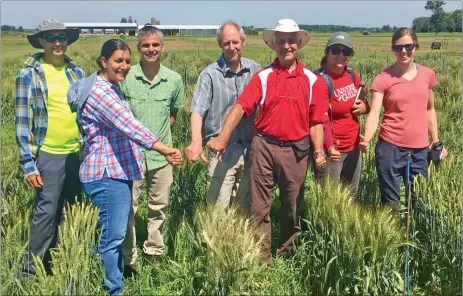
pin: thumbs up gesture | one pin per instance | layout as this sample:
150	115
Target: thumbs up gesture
333	153
364	145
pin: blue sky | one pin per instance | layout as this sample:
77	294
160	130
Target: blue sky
257	13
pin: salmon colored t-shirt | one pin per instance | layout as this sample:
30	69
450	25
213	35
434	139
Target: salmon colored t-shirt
405	103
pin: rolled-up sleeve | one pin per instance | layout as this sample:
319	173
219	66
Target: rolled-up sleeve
202	95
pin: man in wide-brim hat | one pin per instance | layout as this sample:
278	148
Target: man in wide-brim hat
47	135
290	119
72	34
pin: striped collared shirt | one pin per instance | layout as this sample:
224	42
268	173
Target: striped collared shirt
31	121
112	136
216	92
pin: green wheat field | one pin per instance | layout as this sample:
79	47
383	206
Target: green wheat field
345	248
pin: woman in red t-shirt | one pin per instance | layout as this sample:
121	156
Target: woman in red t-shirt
405	90
342	127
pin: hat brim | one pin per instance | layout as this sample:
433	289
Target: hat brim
72	34
351	46
268	35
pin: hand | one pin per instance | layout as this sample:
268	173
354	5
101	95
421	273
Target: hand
443	153
194	150
217	144
333	153
359	108
34	181
364	145
173	156
320	160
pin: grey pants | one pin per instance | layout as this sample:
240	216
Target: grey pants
61	184
347	170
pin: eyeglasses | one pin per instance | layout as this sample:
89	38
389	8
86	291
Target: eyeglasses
347	52
399	47
53	38
283	41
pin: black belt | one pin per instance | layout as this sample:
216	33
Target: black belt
274	141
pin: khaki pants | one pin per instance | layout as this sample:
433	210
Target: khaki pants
229	181
158	188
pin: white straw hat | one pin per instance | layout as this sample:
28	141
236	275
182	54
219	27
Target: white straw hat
287	26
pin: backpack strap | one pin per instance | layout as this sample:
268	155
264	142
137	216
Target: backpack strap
328	81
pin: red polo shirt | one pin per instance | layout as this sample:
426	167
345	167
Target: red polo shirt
288	106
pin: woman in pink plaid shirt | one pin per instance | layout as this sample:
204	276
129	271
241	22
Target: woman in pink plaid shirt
112	155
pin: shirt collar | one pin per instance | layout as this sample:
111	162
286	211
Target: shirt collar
299	67
138	72
34	61
225	68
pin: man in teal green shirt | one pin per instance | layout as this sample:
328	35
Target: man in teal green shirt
155	94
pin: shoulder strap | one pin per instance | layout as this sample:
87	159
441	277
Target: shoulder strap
328	81
351	73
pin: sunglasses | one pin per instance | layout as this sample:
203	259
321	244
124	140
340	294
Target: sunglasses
53	38
347	52
408	47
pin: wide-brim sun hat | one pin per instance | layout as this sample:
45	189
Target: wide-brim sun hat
285	26
52	25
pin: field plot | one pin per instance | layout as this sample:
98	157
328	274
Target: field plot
345	248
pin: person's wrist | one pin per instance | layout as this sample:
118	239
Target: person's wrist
319	151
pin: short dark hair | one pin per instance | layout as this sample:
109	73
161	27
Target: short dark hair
149	30
109	47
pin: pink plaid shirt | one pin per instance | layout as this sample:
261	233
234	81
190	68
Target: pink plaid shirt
112	136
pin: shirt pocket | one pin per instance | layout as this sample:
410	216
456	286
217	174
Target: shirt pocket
161	101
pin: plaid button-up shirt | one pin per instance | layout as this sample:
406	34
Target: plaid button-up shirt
112	136
31	121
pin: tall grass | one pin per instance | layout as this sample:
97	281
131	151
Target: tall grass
345	248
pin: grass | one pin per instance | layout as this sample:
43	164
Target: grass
345	248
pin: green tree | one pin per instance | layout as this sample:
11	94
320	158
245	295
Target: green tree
448	22
421	24
457	19
438	15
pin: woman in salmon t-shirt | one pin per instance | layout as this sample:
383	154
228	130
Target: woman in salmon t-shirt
342	128
405	92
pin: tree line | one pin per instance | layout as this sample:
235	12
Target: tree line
439	21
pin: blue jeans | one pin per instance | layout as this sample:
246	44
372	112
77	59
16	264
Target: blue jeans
113	197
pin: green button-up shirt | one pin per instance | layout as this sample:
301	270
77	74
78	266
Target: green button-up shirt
152	102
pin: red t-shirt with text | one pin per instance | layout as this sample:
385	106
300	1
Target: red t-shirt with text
345	125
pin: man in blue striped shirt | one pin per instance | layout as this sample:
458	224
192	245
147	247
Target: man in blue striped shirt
218	87
47	134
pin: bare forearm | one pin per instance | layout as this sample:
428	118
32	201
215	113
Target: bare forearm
432	125
316	133
232	120
173	115
371	124
196	122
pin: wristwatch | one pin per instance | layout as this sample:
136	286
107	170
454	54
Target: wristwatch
319	151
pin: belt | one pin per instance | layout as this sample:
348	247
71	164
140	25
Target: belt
274	141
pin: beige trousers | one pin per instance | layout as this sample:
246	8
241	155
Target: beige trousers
229	181
158	183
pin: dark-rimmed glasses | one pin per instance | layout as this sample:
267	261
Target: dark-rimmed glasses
399	47
346	51
53	38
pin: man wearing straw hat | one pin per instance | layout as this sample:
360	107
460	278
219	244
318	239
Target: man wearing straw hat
47	134
290	118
